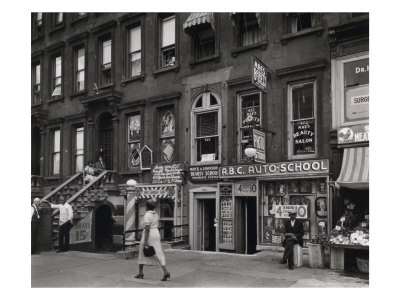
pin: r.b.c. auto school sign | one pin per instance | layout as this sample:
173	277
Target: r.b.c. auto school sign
275	169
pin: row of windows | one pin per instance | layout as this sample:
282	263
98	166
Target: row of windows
247	28
206	130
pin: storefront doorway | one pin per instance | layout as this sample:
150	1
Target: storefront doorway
207	229
103	228
247	224
105	140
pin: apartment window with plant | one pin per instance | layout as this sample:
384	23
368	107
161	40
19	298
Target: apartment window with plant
168	47
301	21
134	140
167	135
105	62
80	63
302	126
36	88
206	115
135	51
56	83
79	148
248	29
55	151
249	118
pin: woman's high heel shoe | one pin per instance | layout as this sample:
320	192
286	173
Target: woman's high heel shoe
140	276
168	275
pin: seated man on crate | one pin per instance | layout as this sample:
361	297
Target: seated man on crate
293	235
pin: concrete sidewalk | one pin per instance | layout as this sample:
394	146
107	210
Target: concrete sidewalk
188	269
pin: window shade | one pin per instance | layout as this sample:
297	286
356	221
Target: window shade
207	124
106	52
168	32
81	59
135	39
37	74
58	66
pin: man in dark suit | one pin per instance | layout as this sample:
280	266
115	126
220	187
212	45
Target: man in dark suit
293	235
35	225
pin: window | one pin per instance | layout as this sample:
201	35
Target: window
37	25
204	42
105	62
56	84
206	115
301	21
58	19
134	125
248	29
302	110
36	89
166	208
79	149
168	51
249	118
135	53
167	136
80	69
56	151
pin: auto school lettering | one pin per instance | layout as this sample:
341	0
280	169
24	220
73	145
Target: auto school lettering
274	169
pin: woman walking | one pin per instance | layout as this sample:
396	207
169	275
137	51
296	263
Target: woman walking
151	237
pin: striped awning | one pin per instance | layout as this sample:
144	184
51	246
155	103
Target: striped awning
355	168
199	18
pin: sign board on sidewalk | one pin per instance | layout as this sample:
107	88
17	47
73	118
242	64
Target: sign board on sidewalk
259	74
81	232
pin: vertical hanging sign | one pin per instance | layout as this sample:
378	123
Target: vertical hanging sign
259	145
259	74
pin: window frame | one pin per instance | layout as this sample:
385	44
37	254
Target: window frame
128	62
76	50
169	47
338	89
160	111
37	93
293	18
37	25
53	152
290	87
128	115
207	108
74	146
101	69
53	76
239	118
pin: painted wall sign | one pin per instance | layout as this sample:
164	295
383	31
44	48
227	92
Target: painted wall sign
81	232
246	188
203	173
320	166
353	134
259	145
156	191
259	74
304	137
282	211
168	173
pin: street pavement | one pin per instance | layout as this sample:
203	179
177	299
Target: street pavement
188	269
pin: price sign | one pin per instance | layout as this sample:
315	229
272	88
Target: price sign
246	188
282	211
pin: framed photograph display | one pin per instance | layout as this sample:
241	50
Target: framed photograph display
281	188
294	187
322	186
305	187
322	226
300	200
272	203
270	189
280	226
269	223
321	207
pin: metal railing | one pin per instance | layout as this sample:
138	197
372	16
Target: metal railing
170	238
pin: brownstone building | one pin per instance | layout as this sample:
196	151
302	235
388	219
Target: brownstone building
167	100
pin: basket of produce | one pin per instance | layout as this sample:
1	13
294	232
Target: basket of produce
363	265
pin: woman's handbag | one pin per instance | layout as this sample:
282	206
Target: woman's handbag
149	251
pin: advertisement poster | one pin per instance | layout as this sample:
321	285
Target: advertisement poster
81	232
304	137
282	211
259	74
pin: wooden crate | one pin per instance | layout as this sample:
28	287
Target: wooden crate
316	256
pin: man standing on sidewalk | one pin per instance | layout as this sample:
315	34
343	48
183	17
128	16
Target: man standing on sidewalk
34	225
293	235
65	224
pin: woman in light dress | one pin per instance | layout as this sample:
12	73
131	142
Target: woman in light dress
151	237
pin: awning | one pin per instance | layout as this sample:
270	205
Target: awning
355	168
234	15
199	18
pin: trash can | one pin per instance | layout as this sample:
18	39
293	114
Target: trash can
316	256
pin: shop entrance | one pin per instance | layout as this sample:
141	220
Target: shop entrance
247	224
103	228
206	228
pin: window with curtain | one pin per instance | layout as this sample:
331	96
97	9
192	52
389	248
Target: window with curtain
57	77
301	21
106	60
36	84
135	54
206	135
204	42
134	139
56	151
302	121
80	70
79	149
168	53
249	30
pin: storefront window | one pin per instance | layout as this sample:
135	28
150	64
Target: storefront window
134	141
167	136
167	207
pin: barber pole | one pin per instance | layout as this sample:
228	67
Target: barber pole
129	217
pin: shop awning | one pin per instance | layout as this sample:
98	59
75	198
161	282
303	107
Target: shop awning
355	168
199	18
234	15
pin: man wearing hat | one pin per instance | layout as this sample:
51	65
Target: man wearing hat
34	224
293	235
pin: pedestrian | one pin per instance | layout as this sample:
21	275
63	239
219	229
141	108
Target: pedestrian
294	232
151	237
65	224
34	225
